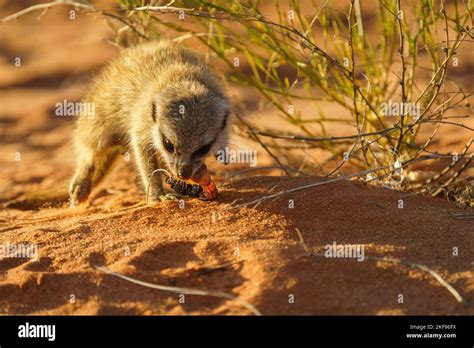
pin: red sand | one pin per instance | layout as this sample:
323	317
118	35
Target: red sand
167	245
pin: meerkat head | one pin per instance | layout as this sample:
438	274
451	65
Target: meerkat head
190	122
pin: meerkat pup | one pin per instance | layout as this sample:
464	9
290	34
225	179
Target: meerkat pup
161	103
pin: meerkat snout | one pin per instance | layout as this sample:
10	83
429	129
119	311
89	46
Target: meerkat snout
188	126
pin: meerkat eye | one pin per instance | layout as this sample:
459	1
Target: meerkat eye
168	145
203	150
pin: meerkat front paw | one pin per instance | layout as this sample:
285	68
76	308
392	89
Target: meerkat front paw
163	198
79	190
169	197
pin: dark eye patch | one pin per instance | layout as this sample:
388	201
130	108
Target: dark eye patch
153	112
203	150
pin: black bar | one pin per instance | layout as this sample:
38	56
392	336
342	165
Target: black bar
313	330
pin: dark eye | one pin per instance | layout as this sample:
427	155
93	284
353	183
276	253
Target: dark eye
168	145
203	150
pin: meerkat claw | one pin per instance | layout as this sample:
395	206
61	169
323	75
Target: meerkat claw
167	197
79	191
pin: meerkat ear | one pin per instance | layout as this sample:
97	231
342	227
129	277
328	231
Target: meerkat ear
157	106
223	108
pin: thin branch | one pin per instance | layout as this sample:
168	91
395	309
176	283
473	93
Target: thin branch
342	178
424	268
399	17
179	290
46	6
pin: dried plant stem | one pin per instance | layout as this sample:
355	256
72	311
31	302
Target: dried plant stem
179	290
46	6
299	188
424	268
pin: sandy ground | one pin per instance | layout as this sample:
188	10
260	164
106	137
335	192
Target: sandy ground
266	255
